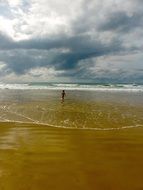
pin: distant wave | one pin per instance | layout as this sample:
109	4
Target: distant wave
74	86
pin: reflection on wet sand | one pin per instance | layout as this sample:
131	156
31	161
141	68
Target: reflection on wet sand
35	157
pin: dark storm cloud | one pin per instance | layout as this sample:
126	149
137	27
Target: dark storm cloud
20	61
6	42
25	54
122	22
110	19
85	51
64	51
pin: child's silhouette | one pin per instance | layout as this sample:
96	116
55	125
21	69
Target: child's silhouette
63	95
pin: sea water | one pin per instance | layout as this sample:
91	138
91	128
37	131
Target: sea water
75	86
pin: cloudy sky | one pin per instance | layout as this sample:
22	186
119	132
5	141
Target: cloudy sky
71	41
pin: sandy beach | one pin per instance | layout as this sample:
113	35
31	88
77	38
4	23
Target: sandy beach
91	141
71	95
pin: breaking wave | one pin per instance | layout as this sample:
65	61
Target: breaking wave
75	86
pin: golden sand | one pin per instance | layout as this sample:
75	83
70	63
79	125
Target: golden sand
38	157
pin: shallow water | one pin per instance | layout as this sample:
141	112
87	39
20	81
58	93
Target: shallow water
91	141
84	110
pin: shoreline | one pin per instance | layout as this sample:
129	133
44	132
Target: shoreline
71	128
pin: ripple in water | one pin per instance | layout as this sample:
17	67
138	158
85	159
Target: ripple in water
77	115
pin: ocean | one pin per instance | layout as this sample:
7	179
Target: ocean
74	86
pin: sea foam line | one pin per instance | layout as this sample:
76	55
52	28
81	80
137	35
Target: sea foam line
64	127
73	128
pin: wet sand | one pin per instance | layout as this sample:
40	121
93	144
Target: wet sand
39	157
94	142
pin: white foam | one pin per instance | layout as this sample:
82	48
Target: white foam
72	128
83	87
33	121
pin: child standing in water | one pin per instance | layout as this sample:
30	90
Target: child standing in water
63	95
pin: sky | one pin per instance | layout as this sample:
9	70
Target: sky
71	41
